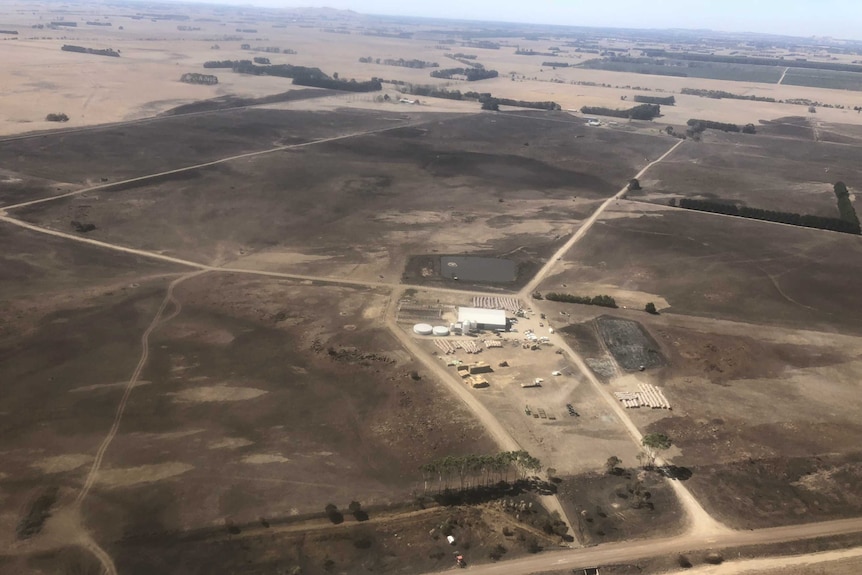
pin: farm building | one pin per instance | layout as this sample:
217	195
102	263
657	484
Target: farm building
483	318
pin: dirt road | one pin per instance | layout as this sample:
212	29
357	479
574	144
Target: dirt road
492	425
531	286
632	551
400	125
699	521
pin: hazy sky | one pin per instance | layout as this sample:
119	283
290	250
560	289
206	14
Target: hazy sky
836	18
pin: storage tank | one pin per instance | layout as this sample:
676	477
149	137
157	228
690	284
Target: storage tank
422	329
441	330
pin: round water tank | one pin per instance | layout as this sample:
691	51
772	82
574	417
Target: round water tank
441	330
423	329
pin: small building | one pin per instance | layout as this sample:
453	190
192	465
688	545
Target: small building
480	367
477	382
487	319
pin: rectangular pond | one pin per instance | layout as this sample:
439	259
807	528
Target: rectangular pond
478	269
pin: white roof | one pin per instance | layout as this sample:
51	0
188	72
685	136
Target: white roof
483	316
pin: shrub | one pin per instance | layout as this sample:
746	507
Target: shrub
57	118
683	562
334	514
714	559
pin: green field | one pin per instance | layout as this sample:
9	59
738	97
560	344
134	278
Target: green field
831	79
681	68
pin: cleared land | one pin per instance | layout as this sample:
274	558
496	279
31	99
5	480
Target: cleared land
246	409
394	194
262	399
772	171
718	267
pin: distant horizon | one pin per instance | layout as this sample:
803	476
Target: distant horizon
835	19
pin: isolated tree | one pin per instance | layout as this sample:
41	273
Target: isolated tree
359	514
654	443
551	472
749	129
650	308
611	464
333	513
634	185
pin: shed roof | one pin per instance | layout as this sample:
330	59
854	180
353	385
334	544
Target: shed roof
483	316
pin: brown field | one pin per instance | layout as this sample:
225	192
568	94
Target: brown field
776	169
394	194
763	413
197	416
718	267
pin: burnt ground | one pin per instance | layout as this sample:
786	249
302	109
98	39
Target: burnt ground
622	506
787	174
632	347
269	405
230	101
764	420
128	151
363	205
721	267
702	559
403	540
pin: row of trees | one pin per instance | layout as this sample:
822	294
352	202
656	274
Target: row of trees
399	62
640	112
721	94
599	300
195	78
699	126
301	75
475	471
95	51
471	74
491	103
653	444
488	101
466	59
806	221
351	85
664	101
846	210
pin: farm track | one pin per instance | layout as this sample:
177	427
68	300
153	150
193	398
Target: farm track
700	522
233	158
632	551
703	532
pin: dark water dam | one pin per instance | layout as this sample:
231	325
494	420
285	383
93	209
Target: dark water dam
478	269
